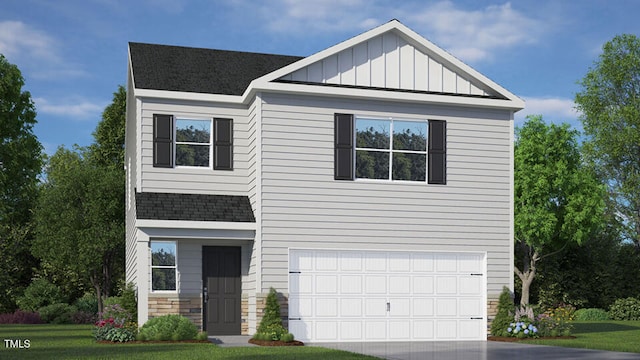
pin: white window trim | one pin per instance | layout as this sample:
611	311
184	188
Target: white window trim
390	150
176	142
151	267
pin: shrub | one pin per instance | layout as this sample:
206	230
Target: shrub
271	324
112	300
111	330
87	303
557	321
202	335
83	317
522	329
20	317
116	312
59	313
129	301
288	337
591	314
625	309
38	294
168	327
504	317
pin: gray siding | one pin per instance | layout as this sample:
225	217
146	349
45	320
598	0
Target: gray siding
190	180
304	207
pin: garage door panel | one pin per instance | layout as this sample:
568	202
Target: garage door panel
352	295
423	307
351	307
375	284
399	285
375	330
351	284
446	285
399	307
423	329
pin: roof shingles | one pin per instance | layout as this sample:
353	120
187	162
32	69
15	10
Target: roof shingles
193	207
177	68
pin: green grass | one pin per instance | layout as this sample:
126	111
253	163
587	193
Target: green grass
76	341
601	335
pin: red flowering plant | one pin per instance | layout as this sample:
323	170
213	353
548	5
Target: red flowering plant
115	325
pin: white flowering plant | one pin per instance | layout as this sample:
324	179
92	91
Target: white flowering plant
523	329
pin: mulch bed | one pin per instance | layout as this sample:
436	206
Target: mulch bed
275	343
513	339
156	342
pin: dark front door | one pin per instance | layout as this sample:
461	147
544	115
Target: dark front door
222	289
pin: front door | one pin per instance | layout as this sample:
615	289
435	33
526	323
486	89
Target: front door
222	291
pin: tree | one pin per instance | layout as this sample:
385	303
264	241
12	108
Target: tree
20	164
78	221
557	198
108	149
609	103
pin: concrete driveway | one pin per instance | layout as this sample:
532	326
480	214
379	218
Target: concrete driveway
480	350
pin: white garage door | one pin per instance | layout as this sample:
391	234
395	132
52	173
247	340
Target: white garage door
386	296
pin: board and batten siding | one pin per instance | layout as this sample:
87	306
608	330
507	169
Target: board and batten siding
194	180
388	61
304	207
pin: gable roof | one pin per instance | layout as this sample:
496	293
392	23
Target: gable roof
390	62
193	207
186	69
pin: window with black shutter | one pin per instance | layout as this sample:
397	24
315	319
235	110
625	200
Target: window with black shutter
437	152
344	147
162	140
223	144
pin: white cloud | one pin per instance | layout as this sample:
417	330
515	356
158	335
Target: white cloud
80	109
553	110
473	35
21	41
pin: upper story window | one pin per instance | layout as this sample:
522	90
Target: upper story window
194	143
389	149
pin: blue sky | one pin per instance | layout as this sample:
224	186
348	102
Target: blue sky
73	53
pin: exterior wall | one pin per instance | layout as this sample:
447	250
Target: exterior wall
304	207
253	173
193	180
387	61
187	306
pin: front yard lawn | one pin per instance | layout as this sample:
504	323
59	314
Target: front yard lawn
76	341
601	335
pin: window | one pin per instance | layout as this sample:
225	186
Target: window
391	149
203	143
163	266
193	142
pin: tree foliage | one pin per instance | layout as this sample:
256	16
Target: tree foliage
557	199
610	105
78	220
108	149
20	164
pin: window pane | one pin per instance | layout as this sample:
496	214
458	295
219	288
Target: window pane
163	279
192	155
372	164
410	135
197	131
409	166
163	254
373	134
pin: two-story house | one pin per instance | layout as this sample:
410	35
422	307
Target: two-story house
371	184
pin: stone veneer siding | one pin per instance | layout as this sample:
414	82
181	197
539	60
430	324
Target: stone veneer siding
187	306
191	308
492	310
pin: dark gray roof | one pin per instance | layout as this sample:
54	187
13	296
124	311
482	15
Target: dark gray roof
176	68
193	207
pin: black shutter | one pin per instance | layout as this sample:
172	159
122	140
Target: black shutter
437	152
162	140
343	155
223	144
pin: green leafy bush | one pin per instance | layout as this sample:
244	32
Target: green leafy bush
112	300
87	303
271	324
168	327
591	314
38	294
129	301
557	321
111	330
116	312
288	337
504	317
58	313
625	309
202	335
